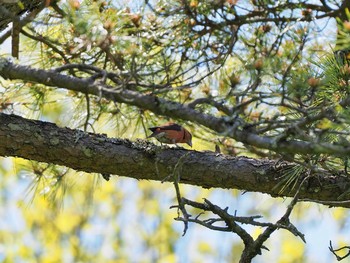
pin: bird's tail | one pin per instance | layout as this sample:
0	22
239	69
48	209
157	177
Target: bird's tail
152	135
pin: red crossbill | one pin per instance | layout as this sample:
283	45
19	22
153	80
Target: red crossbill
171	133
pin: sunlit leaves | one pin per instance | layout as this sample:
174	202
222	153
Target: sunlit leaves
66	221
292	251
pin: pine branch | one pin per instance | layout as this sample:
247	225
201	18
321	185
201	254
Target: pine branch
224	126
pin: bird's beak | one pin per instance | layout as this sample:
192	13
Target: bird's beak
189	143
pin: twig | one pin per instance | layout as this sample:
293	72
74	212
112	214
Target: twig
339	258
180	200
87	112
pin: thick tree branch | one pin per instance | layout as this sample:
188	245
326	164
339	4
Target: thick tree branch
45	142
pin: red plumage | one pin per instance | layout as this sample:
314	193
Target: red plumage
171	133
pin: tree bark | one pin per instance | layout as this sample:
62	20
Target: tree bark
96	153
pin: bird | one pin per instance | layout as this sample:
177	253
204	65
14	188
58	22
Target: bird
171	133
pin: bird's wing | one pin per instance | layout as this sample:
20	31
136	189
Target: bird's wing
172	126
